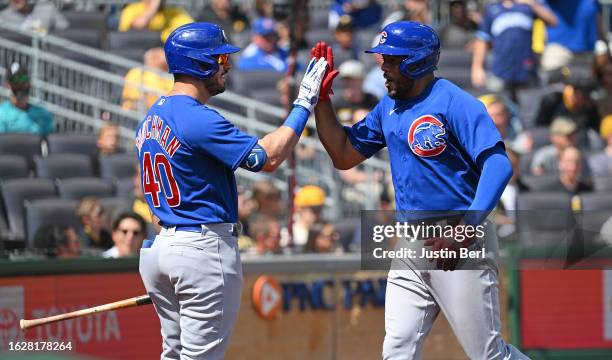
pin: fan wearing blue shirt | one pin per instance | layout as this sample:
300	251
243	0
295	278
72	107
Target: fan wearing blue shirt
263	52
507	28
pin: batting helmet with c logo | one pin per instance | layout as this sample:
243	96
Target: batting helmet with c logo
191	49
419	43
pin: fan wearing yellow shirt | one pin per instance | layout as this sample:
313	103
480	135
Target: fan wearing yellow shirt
154	84
153	15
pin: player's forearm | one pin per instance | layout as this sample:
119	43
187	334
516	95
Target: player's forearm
279	143
332	134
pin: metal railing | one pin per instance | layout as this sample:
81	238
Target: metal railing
83	96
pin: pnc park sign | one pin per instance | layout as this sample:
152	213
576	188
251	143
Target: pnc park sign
270	296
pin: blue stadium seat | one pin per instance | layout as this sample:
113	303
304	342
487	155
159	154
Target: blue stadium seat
78	188
63	166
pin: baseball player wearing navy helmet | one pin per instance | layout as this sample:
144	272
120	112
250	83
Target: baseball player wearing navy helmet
445	154
188	153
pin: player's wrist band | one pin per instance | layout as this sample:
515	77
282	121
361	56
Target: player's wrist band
297	119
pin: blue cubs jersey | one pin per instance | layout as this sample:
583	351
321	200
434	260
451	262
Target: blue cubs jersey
188	154
434	141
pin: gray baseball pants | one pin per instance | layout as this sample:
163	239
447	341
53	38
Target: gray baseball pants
195	282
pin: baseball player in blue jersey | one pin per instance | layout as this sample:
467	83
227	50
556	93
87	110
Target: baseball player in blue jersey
445	154
188	154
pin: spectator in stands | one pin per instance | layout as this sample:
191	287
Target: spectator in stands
604	101
266	234
509	126
579	26
507	27
268	199
94	220
153	83
58	241
345	48
323	238
263	52
573	101
365	13
412	10
129	231
264	8
571	161
308	203
601	163
229	17
246	207
352	74
41	16
461	29
18	114
153	15
562	135
108	139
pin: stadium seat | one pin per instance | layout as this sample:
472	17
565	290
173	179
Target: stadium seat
72	144
544	218
14	193
542	183
117	165
319	18
112	205
595	209
458	75
49	211
86	20
87	37
602	183
525	164
125	187
540	136
458	58
245	81
78	188
268	96
13	166
320	34
62	166
26	145
133	39
135	54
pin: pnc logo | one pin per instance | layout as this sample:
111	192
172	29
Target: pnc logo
267	297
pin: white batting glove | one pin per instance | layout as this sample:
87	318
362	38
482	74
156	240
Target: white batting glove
311	84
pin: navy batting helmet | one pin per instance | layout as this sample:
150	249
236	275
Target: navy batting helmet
191	49
419	43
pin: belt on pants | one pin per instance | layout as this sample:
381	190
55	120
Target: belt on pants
234	229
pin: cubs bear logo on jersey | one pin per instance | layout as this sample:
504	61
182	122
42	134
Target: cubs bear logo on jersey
426	136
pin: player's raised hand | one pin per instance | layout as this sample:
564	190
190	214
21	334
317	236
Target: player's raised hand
322	50
311	84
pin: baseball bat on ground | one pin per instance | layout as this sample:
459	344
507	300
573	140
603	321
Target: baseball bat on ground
135	301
